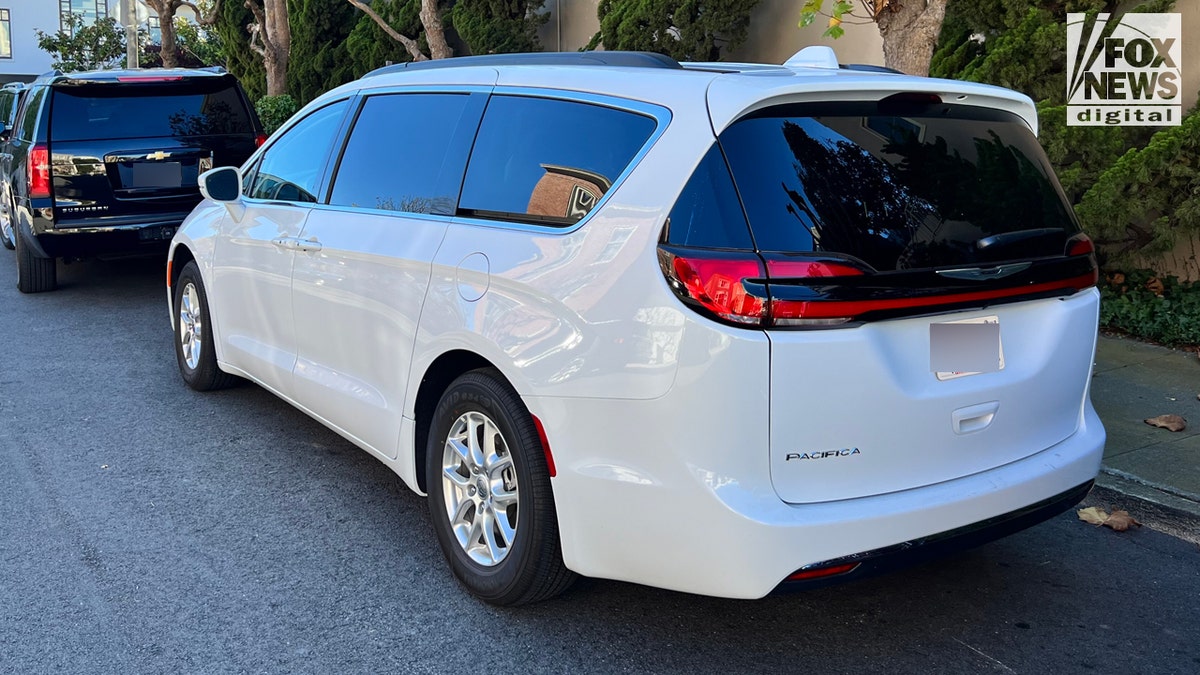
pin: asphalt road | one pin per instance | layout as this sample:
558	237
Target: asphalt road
146	528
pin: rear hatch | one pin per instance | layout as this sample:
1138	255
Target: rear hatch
923	284
130	151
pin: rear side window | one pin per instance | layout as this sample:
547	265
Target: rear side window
400	156
548	161
897	186
707	213
29	114
291	169
113	111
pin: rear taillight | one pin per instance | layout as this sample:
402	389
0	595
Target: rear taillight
39	172
734	285
259	140
1081	245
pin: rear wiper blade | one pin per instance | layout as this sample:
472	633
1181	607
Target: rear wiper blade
1006	238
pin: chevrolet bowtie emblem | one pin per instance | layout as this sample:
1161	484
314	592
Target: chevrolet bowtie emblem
160	155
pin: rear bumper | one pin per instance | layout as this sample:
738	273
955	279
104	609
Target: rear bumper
687	504
149	237
917	551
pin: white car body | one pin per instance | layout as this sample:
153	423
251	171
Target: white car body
670	432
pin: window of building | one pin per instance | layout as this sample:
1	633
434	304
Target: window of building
5	35
90	11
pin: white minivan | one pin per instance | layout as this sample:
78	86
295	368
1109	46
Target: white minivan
718	328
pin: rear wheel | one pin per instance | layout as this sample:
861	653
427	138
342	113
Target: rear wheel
193	335
35	274
489	494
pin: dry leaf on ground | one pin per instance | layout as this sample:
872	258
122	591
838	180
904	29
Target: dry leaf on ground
1155	286
1168	422
1119	520
1093	515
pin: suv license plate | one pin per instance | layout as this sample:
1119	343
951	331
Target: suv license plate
965	347
157	174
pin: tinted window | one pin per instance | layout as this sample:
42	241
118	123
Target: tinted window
924	187
550	161
399	155
140	111
708	213
29	114
290	170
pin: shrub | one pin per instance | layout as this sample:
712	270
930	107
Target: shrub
1144	306
273	111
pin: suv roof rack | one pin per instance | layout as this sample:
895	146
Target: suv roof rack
623	59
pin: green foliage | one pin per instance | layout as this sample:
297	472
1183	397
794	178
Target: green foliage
84	47
1149	195
198	45
369	47
273	111
687	30
498	26
319	57
1172	318
840	8
240	60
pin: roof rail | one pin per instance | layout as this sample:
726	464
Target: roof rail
623	59
870	68
220	70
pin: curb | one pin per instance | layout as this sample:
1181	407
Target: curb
1160	508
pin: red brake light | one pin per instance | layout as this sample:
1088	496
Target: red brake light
1080	244
259	140
716	283
149	78
39	172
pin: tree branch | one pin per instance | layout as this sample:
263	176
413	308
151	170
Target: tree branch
435	34
414	50
259	28
201	18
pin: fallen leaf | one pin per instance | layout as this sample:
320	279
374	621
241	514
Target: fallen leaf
1118	521
1155	286
1121	521
1093	515
1118	279
1168	422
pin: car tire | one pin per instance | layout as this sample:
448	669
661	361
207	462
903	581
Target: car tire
490	499
194	350
35	274
7	233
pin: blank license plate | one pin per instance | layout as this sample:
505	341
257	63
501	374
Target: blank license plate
157	174
966	347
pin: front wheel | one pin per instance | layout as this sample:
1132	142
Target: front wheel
193	334
489	494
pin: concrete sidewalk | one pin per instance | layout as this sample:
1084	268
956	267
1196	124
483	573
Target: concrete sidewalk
1159	469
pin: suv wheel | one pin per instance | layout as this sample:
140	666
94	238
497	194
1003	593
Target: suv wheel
7	237
193	335
35	274
489	494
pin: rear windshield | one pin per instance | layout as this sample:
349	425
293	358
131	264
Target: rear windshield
899	186
112	111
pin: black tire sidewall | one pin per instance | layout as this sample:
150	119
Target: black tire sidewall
198	377
476	391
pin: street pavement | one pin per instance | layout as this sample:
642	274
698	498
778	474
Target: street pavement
146	528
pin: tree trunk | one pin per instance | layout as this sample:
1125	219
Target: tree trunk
910	31
170	50
280	46
435	33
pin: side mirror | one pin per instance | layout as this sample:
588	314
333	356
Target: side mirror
5	132
222	184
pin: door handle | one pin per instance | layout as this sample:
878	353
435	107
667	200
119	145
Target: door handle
310	244
285	242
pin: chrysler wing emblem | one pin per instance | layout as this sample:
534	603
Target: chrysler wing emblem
160	155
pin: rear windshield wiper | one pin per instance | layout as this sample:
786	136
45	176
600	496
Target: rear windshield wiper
1007	238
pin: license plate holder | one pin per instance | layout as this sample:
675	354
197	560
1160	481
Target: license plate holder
965	347
157	174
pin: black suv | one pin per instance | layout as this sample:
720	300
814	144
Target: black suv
105	163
